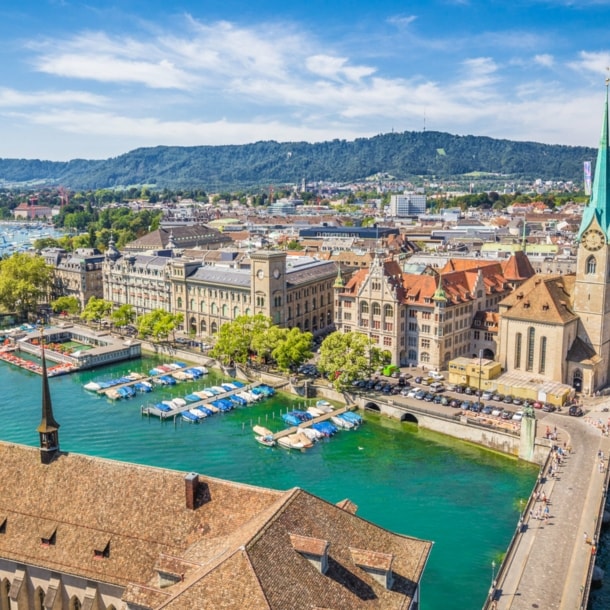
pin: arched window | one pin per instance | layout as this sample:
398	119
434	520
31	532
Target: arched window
193	325
214	309
248	311
518	341
321	300
425	357
192	305
376	309
214	328
39	599
235	312
591	265
5	600
306	325
542	360
388	311
225	311
202	307
74	603
313	303
179	302
364	307
203	326
531	337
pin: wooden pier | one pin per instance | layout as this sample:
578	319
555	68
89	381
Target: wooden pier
308	423
152	410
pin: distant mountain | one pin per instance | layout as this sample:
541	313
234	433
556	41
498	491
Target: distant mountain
216	168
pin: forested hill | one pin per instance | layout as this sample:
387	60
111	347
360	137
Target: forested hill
402	155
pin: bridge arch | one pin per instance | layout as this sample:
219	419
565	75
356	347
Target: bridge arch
409	417
371	406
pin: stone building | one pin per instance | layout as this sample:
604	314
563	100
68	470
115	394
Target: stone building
425	318
79	532
557	327
79	274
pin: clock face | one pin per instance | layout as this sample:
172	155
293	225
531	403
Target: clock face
276	273
593	239
261	274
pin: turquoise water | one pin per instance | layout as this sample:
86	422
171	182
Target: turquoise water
411	481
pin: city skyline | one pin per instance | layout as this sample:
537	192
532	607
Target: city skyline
83	81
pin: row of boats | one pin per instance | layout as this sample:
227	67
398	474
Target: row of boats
308	430
129	385
239	396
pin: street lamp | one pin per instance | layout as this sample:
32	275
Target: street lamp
493	574
480	373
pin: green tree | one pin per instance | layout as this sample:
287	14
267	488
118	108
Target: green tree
346	357
293	348
123	315
69	304
158	324
25	281
238	339
96	309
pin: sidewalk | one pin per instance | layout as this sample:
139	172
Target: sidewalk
550	565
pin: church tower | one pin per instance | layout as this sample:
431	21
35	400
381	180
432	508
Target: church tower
48	428
592	288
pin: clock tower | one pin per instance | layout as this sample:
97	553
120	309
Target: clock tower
269	284
592	287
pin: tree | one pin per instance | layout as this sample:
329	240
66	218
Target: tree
96	309
346	357
69	304
123	315
293	348
25	281
158	324
238	339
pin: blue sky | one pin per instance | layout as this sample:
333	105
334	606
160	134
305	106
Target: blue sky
97	79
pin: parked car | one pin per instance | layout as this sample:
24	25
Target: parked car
451	387
445	401
508	399
468	390
576	411
460	389
548	407
418	379
517	401
506	415
421	394
454	403
436	375
487	410
486	395
497	411
413	392
477	406
518	416
429	397
498	397
466	405
538	405
437	399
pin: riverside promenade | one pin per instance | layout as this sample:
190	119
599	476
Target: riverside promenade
549	564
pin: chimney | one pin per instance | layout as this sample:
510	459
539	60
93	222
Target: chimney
191	482
314	550
377	565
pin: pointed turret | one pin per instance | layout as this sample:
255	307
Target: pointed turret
48	428
112	253
439	294
339	282
599	204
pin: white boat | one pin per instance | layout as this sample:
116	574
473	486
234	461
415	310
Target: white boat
201	369
246	396
341	423
288	443
324	406
113	394
212	408
315	411
179	375
197	413
92	386
169	403
218	389
178	402
265	440
312	434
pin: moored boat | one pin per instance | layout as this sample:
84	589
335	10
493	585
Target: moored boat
265	440
262	431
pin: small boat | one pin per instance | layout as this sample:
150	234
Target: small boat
211	407
325	427
312	434
324	406
201	412
341	423
179	402
229	386
92	386
265	440
261	431
179	375
201	369
218	389
190	417
353	417
161	406
192	398
314	411
113	394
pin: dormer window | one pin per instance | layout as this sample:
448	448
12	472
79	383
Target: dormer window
102	552
48	537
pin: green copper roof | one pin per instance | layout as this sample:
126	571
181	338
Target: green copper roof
439	293
599	204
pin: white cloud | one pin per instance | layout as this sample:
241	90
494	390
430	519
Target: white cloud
336	68
593	63
402	21
544	60
11	98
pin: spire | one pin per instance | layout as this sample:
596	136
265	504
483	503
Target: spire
599	204
339	282
48	428
439	293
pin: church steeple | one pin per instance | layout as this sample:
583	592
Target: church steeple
599	204
48	428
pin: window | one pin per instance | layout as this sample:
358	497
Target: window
388	311
425	343
477	335
412	341
179	302
347	316
412	355
376	309
591	265
518	351
376	285
489	336
202	307
364	307
387	341
225	311
388	326
412	313
542	365
531	336
412	326
426	315
425	357
376	324
425	328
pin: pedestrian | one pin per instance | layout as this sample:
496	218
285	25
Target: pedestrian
586	538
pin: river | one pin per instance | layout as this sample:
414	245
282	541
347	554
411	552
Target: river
464	498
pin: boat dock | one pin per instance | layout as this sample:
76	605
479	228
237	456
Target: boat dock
152	410
308	423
